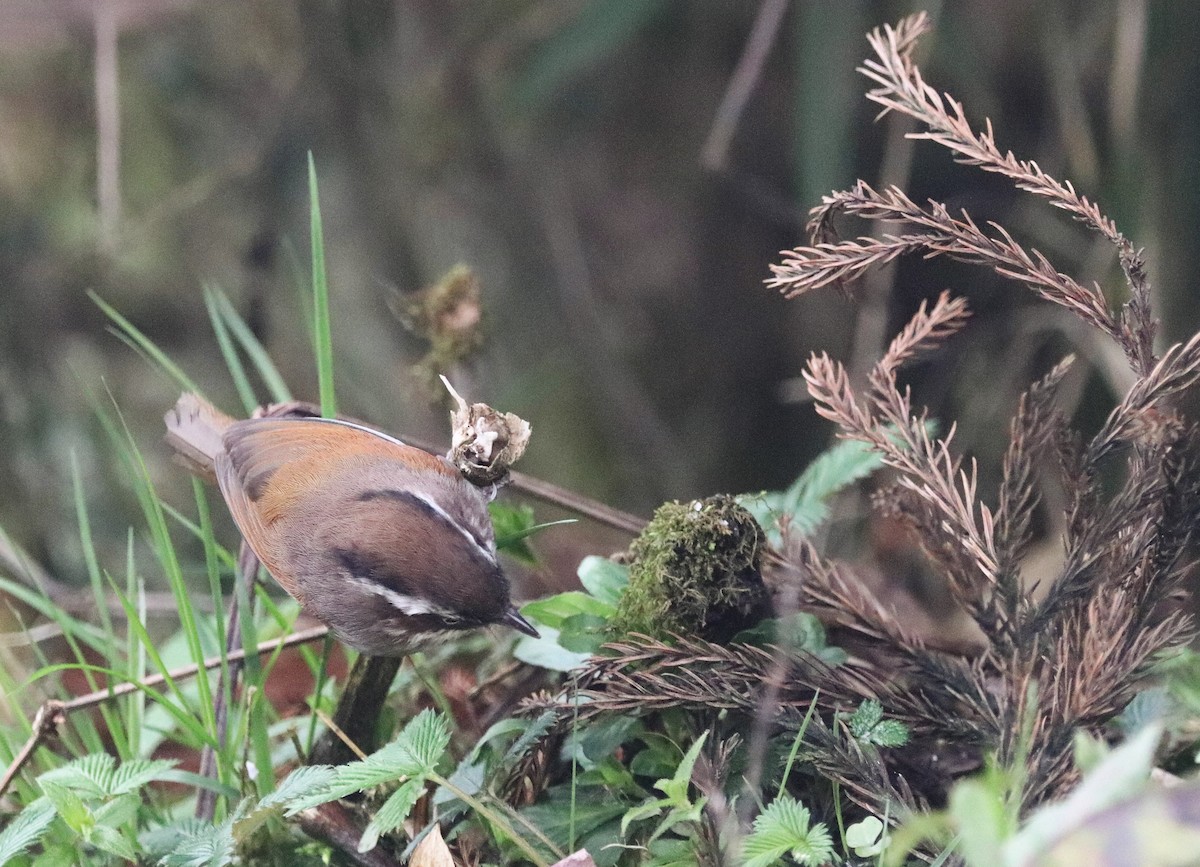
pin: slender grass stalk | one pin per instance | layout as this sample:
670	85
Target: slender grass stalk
145	345
787	768
492	816
257	724
255	351
233	361
322	336
135	652
164	549
112	720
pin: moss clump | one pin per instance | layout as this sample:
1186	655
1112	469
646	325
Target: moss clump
695	570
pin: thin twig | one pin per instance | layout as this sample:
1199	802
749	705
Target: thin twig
54	711
556	495
108	123
741	85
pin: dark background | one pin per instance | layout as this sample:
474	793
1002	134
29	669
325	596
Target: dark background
555	146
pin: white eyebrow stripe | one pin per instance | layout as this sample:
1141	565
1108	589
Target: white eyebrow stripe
410	605
488	555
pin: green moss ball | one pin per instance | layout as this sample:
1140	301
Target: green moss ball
695	571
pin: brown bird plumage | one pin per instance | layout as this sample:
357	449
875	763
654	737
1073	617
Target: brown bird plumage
386	544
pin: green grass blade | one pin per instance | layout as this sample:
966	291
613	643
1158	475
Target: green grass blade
135	652
233	361
164	549
146	345
255	351
323	338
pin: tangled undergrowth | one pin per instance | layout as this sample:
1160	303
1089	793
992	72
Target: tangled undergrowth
725	692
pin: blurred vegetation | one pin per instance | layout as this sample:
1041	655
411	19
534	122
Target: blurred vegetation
554	148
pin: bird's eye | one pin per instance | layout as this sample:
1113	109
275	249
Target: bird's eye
451	620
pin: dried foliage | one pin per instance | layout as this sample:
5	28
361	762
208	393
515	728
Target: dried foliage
1079	650
1052	659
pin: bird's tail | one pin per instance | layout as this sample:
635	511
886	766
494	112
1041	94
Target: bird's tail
194	430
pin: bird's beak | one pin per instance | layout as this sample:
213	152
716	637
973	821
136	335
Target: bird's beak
514	619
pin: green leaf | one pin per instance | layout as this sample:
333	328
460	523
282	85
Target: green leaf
868	726
889	733
414	753
299	783
593	807
783	828
254	349
25	829
545	651
112	840
69	806
133	775
672	853
193	843
983	821
600	739
676	788
89	777
513	524
233	362
865	718
604	578
584	633
800	631
866	837
392	814
1119	775
553	610
118	811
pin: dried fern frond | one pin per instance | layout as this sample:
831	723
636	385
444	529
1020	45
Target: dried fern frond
830	262
1074	657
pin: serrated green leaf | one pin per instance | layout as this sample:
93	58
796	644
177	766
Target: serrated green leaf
865	718
300	782
25	829
118	811
603	578
392	814
132	775
204	846
414	753
783	828
112	840
89	777
889	733
160	840
69	806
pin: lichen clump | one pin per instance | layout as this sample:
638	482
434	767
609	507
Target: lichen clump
695	571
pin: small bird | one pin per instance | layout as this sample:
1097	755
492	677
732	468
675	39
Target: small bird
386	544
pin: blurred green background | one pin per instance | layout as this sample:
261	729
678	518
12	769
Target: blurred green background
576	154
